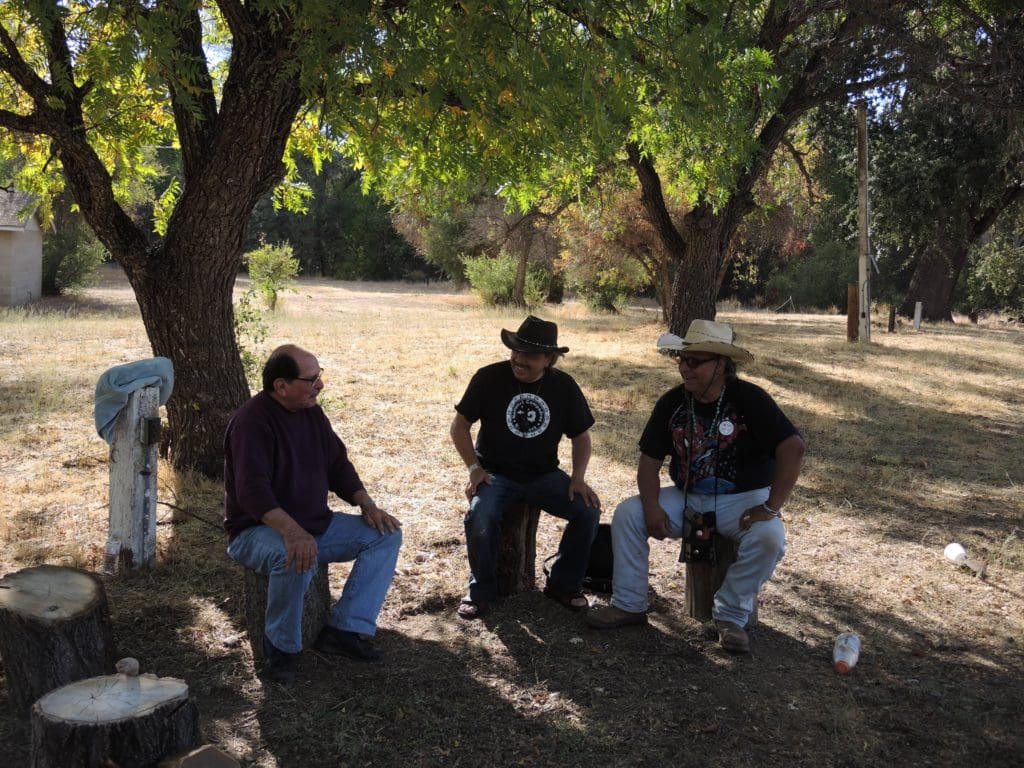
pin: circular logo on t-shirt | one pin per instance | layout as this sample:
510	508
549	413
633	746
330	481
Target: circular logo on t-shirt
527	415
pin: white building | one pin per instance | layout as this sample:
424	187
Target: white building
21	250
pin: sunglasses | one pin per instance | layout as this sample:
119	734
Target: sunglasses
692	362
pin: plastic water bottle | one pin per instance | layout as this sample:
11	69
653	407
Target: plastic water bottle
846	652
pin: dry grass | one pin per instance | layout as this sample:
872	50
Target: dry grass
914	442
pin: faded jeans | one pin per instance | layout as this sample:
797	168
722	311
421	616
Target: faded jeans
761	547
550	492
347	538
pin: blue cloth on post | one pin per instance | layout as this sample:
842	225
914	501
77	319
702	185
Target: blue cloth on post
116	385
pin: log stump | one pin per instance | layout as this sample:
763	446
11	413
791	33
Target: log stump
316	608
54	629
122	720
703	580
517	557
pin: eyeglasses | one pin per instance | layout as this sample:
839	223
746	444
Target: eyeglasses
692	362
311	379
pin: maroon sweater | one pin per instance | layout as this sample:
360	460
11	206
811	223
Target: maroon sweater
274	457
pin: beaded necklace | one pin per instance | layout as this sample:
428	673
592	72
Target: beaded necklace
715	420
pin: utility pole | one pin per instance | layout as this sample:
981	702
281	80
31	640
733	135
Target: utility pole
863	243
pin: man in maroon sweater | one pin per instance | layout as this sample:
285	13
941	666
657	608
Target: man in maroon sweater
281	457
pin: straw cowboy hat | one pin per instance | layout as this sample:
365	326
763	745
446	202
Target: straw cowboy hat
705	336
534	335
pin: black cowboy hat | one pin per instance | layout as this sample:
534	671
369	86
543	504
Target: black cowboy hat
534	335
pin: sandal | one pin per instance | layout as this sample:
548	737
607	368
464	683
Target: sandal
574	601
472	609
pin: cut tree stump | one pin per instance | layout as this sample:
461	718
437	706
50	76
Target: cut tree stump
703	580
316	607
517	557
130	722
54	629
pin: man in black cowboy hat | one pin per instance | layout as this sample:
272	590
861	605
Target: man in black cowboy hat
524	406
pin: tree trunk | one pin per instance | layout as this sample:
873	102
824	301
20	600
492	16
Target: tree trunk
932	283
231	155
701	247
185	299
696	285
519	287
130	722
54	629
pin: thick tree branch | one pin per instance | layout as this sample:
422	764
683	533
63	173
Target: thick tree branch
653	200
798	158
13	64
192	98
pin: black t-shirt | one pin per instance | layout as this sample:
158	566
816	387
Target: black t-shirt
729	447
521	424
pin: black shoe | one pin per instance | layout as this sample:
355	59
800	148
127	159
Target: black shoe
277	665
344	643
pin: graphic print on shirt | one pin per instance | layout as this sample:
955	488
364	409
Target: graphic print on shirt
707	455
527	415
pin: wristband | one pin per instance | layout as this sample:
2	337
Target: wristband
472	467
769	510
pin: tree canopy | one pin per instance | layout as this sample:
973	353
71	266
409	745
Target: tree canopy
532	99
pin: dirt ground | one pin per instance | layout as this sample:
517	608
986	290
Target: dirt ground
914	441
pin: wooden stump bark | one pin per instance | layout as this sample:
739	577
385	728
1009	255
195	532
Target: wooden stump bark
316	608
517	557
703	580
54	629
121	720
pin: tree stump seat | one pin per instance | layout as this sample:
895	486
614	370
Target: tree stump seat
517	556
316	607
123	720
703	580
54	629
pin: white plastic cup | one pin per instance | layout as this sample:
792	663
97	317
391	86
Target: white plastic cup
955	553
846	652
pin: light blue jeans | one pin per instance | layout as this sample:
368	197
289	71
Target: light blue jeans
346	538
761	547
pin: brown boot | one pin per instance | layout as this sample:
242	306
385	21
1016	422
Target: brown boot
610	617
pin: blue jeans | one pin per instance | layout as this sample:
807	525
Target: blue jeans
346	538
550	492
761	547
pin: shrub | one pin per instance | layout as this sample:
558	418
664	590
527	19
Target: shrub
70	259
605	287
995	279
272	269
493	279
819	278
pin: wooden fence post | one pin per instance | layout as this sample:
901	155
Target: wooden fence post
917	315
131	539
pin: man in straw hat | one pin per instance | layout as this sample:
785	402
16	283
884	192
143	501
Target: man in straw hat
734	459
524	406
